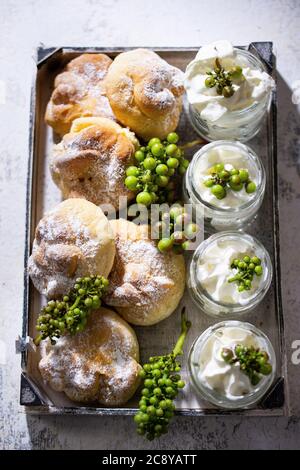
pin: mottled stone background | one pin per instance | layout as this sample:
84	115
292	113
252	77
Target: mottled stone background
26	23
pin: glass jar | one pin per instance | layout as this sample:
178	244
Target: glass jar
200	350
218	214
222	299
240	124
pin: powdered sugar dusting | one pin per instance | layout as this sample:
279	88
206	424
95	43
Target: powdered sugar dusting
142	277
67	246
91	164
98	364
145	92
79	91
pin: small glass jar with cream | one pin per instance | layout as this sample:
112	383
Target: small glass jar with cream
232	364
229	274
228	92
243	184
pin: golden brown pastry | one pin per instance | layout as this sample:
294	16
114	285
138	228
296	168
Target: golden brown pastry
145	285
72	240
91	160
78	91
99	364
144	92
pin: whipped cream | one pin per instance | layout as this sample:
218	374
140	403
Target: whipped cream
255	87
232	157
215	373
213	270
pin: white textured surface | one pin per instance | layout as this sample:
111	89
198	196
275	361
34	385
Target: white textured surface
26	23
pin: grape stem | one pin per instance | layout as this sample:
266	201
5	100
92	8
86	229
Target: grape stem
37	340
185	326
75	303
191	144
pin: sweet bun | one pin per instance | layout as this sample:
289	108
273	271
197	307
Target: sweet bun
78	91
91	160
144	92
72	240
145	285
99	364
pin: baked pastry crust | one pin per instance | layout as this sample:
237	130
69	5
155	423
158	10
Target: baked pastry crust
90	162
99	364
79	91
72	240
145	285
145	93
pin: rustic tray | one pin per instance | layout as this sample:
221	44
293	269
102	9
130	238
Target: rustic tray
42	195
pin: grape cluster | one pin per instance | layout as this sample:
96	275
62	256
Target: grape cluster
161	385
175	230
153	176
221	180
71	313
253	362
222	80
246	269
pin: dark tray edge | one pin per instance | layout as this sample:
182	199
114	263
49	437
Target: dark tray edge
277	398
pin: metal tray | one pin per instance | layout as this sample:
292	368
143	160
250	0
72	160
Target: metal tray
42	194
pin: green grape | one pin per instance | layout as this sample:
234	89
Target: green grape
236	72
172	163
251	187
172	138
209	182
132	171
191	231
162	181
71	313
139	155
150	163
210	82
181	170
156	408
157	150
258	270
144	198
246	268
236	187
235	179
154	140
165	244
218	191
224	175
252	361
219	167
131	182
171	149
244	175
185	163
157	164
162	169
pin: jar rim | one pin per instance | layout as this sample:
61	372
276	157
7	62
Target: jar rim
253	157
260	292
213	396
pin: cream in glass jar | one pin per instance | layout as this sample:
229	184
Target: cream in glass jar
238	203
227	99
229	274
232	364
